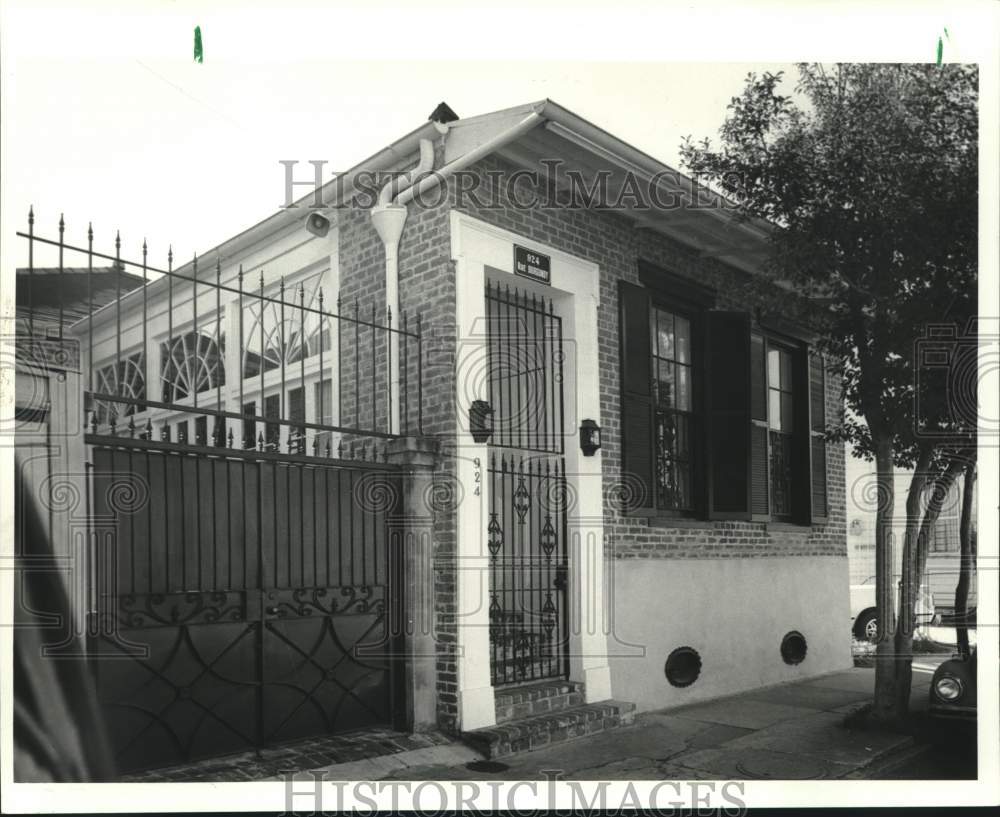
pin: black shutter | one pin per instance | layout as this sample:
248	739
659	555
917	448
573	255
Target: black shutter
728	375
637	396
817	425
802	436
760	484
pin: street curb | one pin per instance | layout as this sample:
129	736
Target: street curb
903	752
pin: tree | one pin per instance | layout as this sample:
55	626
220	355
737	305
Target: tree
868	175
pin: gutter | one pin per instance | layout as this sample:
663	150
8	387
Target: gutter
389	217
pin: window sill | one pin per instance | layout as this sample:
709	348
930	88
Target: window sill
678	522
792	527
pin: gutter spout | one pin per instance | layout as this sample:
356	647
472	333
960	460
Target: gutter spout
388	219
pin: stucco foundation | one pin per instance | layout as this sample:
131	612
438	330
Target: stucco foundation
734	612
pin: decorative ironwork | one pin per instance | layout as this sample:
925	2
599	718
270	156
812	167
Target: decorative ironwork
175	609
308	601
526	531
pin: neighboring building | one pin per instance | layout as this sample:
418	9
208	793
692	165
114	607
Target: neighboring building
942	571
49	297
699	551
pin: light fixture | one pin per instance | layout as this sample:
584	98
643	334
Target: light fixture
317	224
590	437
480	421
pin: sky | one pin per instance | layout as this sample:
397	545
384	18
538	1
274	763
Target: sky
108	119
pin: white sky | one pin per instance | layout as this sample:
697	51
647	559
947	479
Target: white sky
107	118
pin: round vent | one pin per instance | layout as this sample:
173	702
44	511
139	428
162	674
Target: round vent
793	647
683	667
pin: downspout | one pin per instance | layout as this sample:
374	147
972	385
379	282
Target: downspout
389	218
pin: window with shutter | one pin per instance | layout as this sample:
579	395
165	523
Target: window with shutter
817	443
728	379
636	395
718	419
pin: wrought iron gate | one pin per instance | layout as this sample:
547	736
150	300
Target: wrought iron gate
526	532
242	578
250	598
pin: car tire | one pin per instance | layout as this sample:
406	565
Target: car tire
866	626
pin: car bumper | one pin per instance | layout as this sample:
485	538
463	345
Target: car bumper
952	713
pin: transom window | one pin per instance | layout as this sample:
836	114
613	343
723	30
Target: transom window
672	383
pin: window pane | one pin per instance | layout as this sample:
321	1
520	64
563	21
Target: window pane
786	411
781	474
673	472
665	395
774	409
684	387
682	338
665	334
773	368
683	443
786	370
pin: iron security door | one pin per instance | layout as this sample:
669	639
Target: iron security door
526	530
248	600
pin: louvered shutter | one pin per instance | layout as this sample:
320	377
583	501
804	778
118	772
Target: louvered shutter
759	475
638	471
728	376
817	425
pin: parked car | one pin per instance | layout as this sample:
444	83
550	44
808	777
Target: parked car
953	689
864	614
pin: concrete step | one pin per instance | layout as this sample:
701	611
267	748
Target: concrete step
515	703
554	727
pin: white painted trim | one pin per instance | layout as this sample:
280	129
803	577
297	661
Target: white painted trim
575	290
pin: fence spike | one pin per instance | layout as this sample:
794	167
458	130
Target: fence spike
90	231
260	441
329	448
340	449
31	214
93	422
149	429
230	438
112	424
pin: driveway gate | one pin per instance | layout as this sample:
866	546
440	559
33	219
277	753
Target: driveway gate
251	602
242	581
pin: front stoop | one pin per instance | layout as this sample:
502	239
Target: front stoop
540	715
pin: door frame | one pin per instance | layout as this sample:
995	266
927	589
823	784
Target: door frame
575	289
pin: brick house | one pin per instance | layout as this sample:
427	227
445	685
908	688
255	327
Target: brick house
700	550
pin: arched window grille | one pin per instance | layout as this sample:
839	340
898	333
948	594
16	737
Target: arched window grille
301	332
127	378
191	363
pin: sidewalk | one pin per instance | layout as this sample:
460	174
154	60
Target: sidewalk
788	732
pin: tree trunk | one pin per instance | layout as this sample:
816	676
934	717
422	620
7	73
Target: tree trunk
915	563
902	638
884	705
967	556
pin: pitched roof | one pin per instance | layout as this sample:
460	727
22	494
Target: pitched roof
42	291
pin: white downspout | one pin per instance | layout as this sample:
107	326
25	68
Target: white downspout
389	217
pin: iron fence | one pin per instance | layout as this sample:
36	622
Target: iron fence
158	346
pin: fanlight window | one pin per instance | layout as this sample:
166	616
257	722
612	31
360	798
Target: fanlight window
127	378
284	341
190	364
